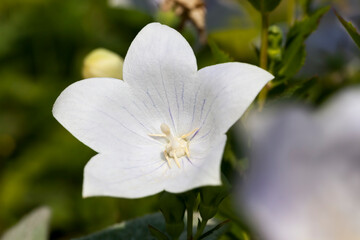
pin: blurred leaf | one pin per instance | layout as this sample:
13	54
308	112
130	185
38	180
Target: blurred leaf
219	55
33	226
353	32
294	52
139	229
238	42
265	5
157	233
133	229
303	89
214	229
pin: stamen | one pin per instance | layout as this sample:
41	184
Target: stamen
176	147
189	134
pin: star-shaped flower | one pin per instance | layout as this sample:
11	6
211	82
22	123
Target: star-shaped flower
163	127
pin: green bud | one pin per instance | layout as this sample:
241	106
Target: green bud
211	197
173	209
102	63
275	40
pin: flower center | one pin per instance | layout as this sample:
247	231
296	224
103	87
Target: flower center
176	147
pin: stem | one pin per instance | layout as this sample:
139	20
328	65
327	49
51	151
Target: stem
263	55
201	229
190	211
264	39
291	12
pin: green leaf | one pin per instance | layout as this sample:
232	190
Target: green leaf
33	226
219	55
265	5
132	229
294	52
236	41
353	32
139	229
214	229
157	233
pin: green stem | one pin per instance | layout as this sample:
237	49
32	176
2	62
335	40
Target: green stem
291	12
190	211
264	54
201	229
264	39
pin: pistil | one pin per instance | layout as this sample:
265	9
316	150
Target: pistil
176	147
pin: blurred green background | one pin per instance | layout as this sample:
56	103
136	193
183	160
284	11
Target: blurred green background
42	46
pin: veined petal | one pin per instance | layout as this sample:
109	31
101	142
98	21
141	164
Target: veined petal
161	68
104	115
125	175
138	174
226	91
201	169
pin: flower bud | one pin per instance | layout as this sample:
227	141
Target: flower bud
173	209
211	197
275	39
102	63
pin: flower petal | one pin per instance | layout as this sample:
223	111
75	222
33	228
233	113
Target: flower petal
161	68
226	91
103	114
146	172
201	169
129	175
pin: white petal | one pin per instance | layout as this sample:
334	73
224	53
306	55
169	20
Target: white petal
226	92
161	67
201	169
129	175
103	114
139	174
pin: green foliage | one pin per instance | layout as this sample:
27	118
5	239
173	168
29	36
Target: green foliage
173	209
211	197
265	5
157	233
236	42
138	229
133	229
294	51
33	226
353	32
219	55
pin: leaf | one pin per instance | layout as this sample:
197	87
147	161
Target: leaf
214	229
139	229
294	52
33	226
265	5
132	229
157	233
350	28
236	41
219	55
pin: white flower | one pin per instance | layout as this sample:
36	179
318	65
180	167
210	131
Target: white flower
305	178
162	93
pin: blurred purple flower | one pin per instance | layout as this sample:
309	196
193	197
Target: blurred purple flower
304	182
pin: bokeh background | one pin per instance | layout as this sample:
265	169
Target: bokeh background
42	47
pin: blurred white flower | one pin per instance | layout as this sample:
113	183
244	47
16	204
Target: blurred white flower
102	63
305	176
163	127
